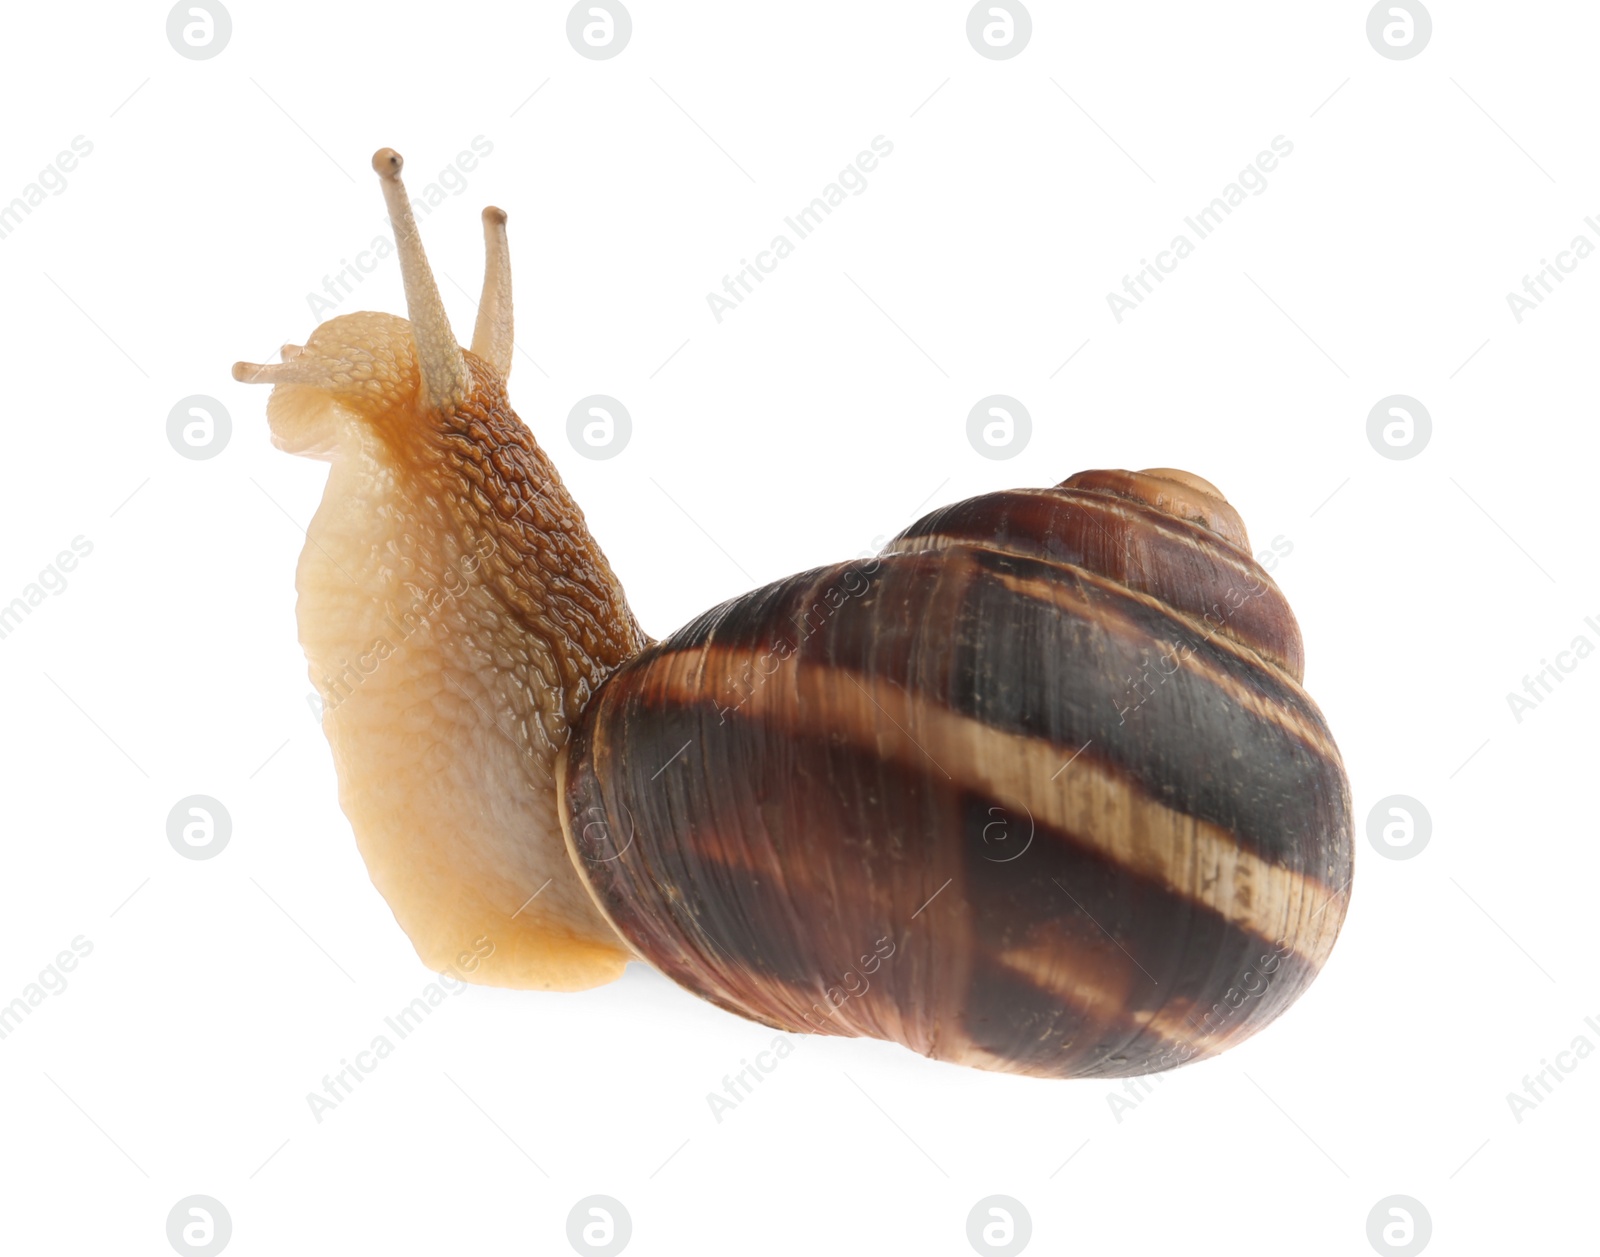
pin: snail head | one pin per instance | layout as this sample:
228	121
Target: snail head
366	374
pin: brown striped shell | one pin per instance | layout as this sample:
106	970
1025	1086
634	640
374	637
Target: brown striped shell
1036	790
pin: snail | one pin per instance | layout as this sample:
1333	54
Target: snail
1035	788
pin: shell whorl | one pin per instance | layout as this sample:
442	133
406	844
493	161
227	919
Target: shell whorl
1174	541
1033	752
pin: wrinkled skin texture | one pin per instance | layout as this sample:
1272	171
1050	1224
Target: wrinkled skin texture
456	616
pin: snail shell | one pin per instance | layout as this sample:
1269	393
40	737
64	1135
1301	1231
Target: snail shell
1035	790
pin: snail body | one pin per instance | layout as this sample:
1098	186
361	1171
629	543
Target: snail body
1034	789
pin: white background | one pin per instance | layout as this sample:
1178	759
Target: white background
827	411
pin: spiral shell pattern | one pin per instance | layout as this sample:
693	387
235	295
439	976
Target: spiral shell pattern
1037	789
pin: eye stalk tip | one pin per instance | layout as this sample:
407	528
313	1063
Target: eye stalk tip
494	214
388	163
262	372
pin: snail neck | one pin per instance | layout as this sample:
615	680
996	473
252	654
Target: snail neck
457	615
